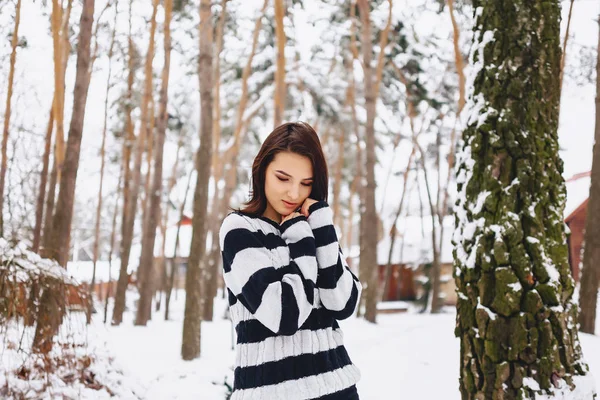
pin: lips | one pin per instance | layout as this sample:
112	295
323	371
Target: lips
290	205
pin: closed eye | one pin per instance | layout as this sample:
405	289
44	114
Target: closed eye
285	180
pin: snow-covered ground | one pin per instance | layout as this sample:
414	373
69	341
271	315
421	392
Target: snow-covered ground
408	355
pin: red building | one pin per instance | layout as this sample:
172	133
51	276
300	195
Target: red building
578	192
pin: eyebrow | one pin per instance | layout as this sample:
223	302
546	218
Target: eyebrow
286	174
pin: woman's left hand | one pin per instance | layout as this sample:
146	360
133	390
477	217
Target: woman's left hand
307	203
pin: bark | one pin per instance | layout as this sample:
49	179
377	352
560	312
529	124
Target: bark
113	233
280	87
435	302
221	199
516	317
217	89
173	273
133	177
61	224
363	267
62	50
47	228
60	38
564	46
369	250
164	225
337	182
39	208
50	312
7	110
590	274
52	301
458	58
190	346
102	164
146	268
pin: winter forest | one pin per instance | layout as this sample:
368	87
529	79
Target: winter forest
464	186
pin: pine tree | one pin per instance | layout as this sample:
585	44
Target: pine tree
516	318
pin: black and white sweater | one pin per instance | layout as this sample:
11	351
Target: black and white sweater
288	285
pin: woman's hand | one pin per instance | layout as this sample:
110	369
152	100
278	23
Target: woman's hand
289	216
305	206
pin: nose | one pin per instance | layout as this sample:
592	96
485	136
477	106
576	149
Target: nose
293	192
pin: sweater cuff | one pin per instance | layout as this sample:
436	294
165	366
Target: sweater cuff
316	206
283	227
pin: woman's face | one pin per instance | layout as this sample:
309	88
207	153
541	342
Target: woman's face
288	182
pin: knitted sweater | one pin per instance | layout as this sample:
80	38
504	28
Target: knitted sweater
288	285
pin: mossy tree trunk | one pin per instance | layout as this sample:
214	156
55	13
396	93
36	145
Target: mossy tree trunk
516	318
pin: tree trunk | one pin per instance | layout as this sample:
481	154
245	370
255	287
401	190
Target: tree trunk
132	178
217	89
280	88
221	198
102	162
190	346
164	226
61	224
369	250
564	46
39	209
173	273
337	182
363	267
62	49
388	270
52	300
7	111
435	302
113	233
590	274
60	39
145	269
516	318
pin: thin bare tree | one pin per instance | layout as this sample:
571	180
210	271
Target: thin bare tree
7	110
51	312
102	160
149	235
280	87
371	220
190	345
590	273
133	177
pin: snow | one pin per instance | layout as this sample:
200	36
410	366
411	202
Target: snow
578	191
416	248
82	271
398	357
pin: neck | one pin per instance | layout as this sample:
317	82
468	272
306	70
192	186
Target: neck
272	214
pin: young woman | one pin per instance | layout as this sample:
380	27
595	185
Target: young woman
287	279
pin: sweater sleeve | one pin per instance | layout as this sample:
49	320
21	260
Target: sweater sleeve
339	289
281	297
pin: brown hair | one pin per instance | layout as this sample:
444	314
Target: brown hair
295	137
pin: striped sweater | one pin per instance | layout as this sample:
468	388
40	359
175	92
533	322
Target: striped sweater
288	285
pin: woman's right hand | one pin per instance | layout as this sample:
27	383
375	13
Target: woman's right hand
288	217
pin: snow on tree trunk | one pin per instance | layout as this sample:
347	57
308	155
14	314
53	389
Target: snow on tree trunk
516	318
190	346
590	274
